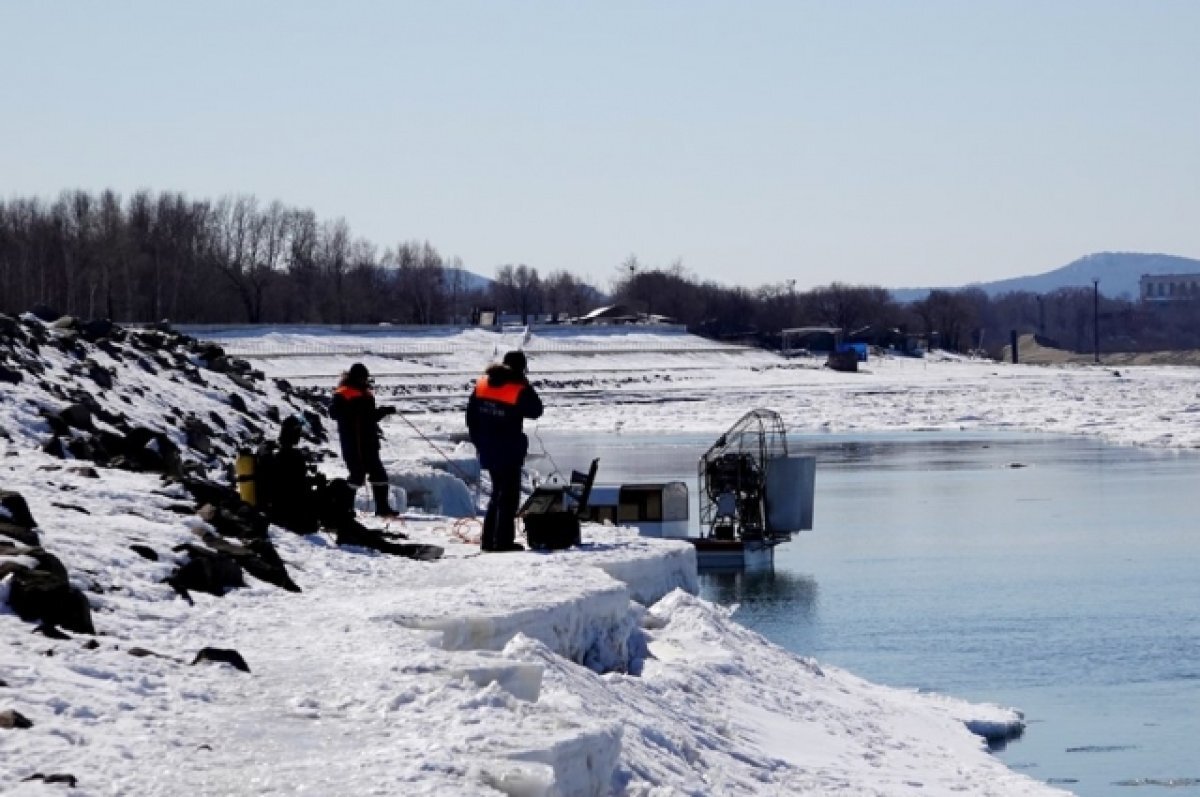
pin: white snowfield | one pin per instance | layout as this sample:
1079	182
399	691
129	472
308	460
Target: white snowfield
593	671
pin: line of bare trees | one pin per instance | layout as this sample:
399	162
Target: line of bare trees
155	256
957	320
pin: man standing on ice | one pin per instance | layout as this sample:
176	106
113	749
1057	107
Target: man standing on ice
358	418
496	411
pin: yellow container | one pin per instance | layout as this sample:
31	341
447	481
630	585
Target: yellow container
244	468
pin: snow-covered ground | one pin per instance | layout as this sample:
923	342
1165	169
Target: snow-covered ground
680	382
591	671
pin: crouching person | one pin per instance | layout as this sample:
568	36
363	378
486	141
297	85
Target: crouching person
353	407
288	485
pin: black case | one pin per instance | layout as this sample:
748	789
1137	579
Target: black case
551	514
552	531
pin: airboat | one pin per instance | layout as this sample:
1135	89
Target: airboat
753	494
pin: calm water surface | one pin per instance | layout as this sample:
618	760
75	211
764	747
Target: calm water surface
1057	575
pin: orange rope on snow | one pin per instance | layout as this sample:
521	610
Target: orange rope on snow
463	528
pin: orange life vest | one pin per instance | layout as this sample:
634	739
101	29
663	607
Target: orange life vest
349	393
504	394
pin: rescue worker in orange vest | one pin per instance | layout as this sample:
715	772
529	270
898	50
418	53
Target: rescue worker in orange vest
353	407
496	410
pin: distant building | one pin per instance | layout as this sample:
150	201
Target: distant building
810	340
1169	287
621	314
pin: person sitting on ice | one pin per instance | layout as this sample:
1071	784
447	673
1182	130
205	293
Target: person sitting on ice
496	410
353	407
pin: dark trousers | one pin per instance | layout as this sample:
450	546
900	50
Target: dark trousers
499	524
367	467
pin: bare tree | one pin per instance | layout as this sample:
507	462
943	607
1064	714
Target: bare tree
518	289
419	283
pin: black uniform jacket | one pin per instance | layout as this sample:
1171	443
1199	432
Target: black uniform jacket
500	402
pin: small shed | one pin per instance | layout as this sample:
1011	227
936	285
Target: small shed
809	340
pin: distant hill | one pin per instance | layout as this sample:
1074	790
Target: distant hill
468	280
1118	273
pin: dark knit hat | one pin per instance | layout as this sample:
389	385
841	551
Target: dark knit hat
516	361
358	373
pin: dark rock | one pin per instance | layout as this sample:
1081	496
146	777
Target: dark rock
141	653
45	313
49	631
244	382
210	351
193	375
71	507
49	597
223	656
93	331
9	375
58	777
238	403
78	416
10	330
206	491
54	447
206	571
11	718
91	644
68	343
100	375
314	422
144	551
111	349
153	451
258	558
236	520
217	419
85	471
149	340
17	510
199	436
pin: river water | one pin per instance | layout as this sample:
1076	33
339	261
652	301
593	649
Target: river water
1060	576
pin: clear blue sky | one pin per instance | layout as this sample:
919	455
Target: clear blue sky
906	142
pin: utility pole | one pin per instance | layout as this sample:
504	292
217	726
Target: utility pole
1096	316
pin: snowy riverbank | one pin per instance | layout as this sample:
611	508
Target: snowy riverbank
591	671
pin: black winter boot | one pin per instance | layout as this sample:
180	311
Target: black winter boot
382	507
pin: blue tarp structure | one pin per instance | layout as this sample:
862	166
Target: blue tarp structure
859	349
